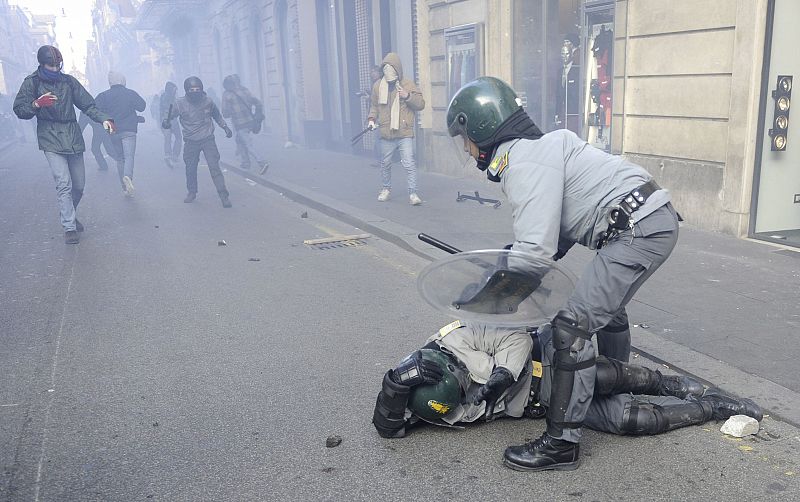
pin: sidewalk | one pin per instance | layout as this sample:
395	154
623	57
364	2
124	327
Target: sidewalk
724	309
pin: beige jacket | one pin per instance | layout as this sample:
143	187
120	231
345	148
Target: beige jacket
380	113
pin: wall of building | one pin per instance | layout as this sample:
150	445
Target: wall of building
443	153
687	73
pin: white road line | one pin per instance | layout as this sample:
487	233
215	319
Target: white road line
51	395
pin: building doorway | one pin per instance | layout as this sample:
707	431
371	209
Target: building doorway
775	211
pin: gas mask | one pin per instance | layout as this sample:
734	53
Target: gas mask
389	73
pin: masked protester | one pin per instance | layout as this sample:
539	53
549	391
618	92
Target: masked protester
395	102
247	113
562	192
122	104
172	136
470	372
51	96
195	111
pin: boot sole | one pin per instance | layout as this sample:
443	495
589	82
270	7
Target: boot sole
570	466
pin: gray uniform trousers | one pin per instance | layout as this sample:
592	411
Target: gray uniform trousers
606	285
603	413
191	156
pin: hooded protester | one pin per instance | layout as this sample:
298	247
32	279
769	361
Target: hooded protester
395	101
172	136
195	111
122	104
51	96
246	113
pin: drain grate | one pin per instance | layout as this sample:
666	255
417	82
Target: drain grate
343	241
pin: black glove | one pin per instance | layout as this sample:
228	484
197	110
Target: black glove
228	132
165	124
414	370
501	294
491	391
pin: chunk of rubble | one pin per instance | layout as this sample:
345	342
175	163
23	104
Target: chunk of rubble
740	426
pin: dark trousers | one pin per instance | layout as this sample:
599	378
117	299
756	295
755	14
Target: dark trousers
101	138
191	156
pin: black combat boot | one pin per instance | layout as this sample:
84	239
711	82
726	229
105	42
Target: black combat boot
616	377
724	405
543	454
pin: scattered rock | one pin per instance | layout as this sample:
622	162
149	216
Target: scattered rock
254	259
156	226
304	214
740	426
333	441
222	243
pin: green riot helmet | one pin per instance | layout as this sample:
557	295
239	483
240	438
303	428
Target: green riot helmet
434	402
478	110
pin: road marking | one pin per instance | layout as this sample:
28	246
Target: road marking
51	395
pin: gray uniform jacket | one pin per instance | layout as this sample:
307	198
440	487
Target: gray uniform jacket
481	348
561	189
196	118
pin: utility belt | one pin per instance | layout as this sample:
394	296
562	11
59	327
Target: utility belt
621	216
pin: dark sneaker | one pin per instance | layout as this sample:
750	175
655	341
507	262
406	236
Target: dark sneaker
724	405
78	225
71	237
190	197
543	454
680	386
226	202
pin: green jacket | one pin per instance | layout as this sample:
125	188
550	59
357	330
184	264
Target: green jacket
56	126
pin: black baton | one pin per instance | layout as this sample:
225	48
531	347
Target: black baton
437	243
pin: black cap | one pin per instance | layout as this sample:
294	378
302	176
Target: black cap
192	82
49	55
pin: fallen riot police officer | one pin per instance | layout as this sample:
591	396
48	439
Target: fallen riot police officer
470	371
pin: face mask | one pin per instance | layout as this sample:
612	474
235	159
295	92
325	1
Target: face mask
389	73
195	96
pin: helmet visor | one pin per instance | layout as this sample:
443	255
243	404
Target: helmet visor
457	125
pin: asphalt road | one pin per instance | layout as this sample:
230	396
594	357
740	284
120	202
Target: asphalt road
151	363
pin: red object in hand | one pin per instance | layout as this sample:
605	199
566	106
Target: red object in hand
45	100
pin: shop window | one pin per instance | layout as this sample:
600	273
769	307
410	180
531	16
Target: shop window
599	78
464	55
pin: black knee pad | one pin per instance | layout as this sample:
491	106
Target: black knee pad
609	373
641	419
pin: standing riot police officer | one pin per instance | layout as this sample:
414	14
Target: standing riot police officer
563	191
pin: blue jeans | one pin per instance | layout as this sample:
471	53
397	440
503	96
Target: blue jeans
125	144
406	148
244	142
69	174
